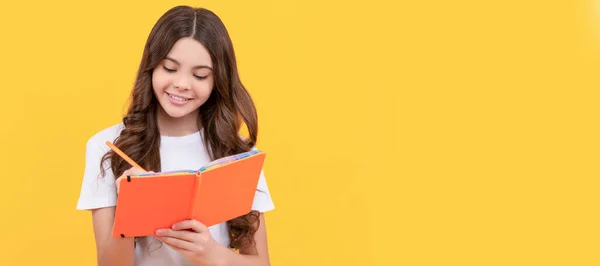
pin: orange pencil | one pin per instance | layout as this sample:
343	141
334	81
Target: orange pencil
123	155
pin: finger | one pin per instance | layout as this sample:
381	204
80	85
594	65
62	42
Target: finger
184	252
127	172
132	171
190	224
177	243
183	235
136	171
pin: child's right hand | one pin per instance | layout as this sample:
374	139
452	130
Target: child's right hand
130	171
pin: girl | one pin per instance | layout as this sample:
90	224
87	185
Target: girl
187	107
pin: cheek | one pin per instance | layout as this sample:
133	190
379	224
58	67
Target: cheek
204	89
159	82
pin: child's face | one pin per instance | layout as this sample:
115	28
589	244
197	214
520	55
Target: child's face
184	80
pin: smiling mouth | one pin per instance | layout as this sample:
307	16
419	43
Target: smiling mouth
178	98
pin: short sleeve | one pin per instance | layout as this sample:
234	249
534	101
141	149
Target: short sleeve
262	198
97	191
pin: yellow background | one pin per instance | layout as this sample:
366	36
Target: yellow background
399	132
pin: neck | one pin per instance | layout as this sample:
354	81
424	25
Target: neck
177	127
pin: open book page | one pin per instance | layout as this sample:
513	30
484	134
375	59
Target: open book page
212	165
228	159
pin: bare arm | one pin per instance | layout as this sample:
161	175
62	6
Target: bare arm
111	251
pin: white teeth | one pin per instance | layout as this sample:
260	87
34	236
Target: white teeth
177	98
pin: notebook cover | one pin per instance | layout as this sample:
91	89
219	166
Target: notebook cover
148	203
228	191
145	205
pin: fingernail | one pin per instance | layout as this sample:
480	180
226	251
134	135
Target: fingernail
160	232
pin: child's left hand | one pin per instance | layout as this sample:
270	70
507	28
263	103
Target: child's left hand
193	239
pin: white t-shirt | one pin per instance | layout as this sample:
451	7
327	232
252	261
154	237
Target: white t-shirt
177	153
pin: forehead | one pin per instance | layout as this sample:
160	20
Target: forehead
190	52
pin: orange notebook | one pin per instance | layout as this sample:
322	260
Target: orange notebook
222	190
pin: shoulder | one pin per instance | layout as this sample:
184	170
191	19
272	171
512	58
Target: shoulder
107	134
98	140
97	192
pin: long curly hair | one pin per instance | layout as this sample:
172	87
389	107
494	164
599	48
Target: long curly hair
221	116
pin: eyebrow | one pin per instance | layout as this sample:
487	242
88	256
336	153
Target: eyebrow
196	67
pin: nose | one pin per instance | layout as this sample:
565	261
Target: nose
182	83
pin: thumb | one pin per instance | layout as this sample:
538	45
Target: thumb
136	171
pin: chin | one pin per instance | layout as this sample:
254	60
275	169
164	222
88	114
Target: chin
177	113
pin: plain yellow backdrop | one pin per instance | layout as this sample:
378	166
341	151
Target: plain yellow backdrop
398	132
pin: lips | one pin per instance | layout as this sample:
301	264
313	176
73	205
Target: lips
178	98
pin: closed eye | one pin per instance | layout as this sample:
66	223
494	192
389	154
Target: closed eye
168	69
200	77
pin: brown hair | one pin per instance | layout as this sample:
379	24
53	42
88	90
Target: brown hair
221	116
